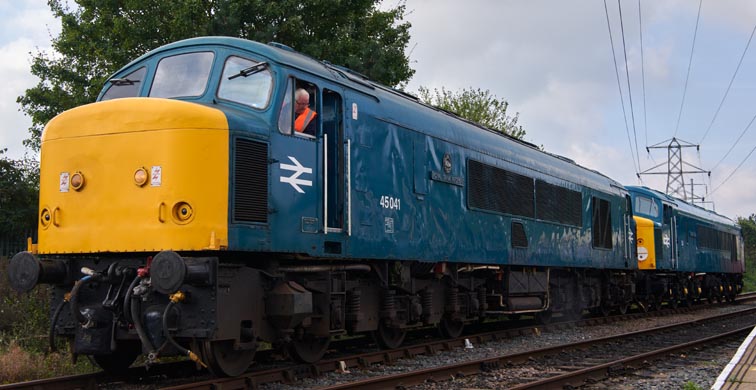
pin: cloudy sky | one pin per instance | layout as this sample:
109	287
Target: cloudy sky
552	60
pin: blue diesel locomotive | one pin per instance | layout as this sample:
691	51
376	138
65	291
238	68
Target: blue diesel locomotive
185	212
686	252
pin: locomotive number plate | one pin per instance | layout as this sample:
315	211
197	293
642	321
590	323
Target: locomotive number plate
391	203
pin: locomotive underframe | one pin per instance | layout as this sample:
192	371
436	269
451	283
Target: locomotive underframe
290	303
223	307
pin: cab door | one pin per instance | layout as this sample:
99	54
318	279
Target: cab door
669	237
310	167
296	223
335	165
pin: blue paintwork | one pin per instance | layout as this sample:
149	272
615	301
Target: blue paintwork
396	146
690	256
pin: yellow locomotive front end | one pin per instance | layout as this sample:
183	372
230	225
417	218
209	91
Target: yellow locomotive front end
645	241
134	175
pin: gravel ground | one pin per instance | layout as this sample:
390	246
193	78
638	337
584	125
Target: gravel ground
702	374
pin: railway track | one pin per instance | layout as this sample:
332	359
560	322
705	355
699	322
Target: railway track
575	364
156	376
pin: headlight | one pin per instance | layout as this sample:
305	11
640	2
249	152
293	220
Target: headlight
77	181
140	177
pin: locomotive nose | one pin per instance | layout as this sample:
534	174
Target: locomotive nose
26	271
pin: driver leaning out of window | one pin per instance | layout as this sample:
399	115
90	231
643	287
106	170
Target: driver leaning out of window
305	117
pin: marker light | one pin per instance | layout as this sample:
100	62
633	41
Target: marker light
182	212
45	217
77	181
140	177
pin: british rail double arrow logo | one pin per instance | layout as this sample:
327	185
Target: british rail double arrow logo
298	169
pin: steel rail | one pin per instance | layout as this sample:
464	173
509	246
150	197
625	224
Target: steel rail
602	371
292	373
473	367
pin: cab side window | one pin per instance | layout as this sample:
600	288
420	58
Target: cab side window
298	115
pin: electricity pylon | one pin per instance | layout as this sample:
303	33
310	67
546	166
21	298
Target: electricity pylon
675	167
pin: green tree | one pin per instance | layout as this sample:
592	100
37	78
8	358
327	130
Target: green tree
476	105
98	37
748	227
19	187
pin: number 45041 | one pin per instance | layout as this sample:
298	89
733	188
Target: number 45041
391	203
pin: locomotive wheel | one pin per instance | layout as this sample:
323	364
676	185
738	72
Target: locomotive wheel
120	360
673	302
652	303
605	309
658	302
308	348
224	360
450	329
544	317
623	307
387	337
644	305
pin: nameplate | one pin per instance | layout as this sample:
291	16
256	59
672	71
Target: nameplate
445	178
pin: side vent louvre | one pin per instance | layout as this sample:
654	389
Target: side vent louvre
519	238
250	181
500	191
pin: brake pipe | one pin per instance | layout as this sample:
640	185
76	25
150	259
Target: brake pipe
127	299
137	321
74	297
175	299
66	298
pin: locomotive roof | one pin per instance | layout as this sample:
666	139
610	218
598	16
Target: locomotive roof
407	111
684	206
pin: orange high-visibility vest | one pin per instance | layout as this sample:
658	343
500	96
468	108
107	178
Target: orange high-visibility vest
304	119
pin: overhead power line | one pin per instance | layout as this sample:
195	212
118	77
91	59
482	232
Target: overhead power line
742	133
643	75
636	165
733	172
687	77
629	90
730	85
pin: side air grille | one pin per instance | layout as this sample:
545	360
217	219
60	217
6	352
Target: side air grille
519	238
558	204
250	181
501	191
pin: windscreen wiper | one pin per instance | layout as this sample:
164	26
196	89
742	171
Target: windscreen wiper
250	71
123	81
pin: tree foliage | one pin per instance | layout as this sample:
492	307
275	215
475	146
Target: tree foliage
748	227
18	196
476	105
98	37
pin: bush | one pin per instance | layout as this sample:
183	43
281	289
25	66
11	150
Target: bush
18	364
24	326
23	315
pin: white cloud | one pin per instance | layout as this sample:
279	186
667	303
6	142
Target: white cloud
657	62
27	29
564	113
